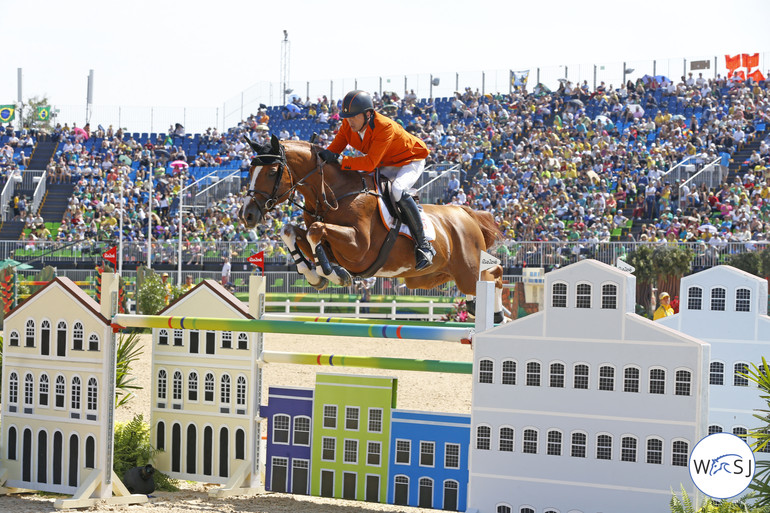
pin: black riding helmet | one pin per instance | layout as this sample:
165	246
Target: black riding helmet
355	103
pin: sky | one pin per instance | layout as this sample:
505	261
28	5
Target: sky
197	53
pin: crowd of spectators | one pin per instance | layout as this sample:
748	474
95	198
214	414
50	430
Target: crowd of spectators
571	165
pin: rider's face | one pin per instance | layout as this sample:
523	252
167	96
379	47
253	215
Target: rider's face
356	122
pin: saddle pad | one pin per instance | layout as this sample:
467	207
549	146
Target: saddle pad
389	221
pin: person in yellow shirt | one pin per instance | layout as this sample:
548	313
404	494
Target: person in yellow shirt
664	310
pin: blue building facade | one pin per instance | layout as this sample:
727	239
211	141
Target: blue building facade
289	415
429	460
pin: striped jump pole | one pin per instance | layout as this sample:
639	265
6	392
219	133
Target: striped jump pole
355	320
450	334
370	362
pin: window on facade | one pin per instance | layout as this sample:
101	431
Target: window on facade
176	386
13	388
529	445
75	393
375	420
43	390
583	299
581	376
224	389
682	385
208	387
557	375
717	373
29	390
483	437
631	379
559	295
192	386
554	443
328	448
403	449
604	447
30	334
609	297
509	372
452	456
714	429
59	390
739	376
178	338
743	300
163	338
657	381
373	452
281	429
240	391
93	342
679	452
13	338
243	341
427	453
741	432
227	340
606	378
694	298
162	383
533	374
579	441
486	371
92	394
655	451
330	416
77	336
503	508
506	439
718	295
302	431
351	418
351	451
628	448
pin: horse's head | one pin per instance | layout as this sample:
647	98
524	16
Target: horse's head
269	181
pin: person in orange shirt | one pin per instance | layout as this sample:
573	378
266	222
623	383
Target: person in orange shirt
399	155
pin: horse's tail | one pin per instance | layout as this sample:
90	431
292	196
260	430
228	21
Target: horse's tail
488	226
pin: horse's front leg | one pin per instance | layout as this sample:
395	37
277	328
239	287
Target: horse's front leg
349	245
295	239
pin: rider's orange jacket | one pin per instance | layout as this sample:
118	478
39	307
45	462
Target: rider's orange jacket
387	144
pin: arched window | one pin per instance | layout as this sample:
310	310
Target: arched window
679	452
509	372
163	337
529	445
655	451
45	338
506	442
740	370
743	300
243	341
483	438
606	378
717	373
30	334
502	508
714	428
43	390
609	296
657	381
579	442
160	436
12	436
583	299
176	386
75	393
628	448
13	338
224	389
77	336
604	447
559	295
192	386
61	338
281	429
240	391
486	370
631	379
29	389
208	387
694	298
533	374
718	296
580	376
93	342
425	496
92	394
557	375
553	440
59	391
682	385
162	383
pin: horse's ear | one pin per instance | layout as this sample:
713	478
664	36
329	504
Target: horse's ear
254	146
275	145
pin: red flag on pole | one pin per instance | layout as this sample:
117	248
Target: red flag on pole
750	60
732	63
258	259
111	255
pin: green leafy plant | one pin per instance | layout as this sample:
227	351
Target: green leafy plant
760	374
683	505
670	263
641	259
133	449
128	352
458	314
151	297
749	262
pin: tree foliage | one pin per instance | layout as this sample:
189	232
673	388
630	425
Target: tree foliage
128	352
151	297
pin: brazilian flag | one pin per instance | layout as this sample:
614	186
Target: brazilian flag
7	113
43	113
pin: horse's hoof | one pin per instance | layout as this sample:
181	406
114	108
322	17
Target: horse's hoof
470	306
322	284
499	317
346	279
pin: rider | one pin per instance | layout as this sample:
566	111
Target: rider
399	155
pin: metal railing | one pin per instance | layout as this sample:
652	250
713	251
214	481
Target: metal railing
433	184
687	168
5	198
218	190
40	189
711	175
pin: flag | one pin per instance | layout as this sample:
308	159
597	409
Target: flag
7	113
732	63
258	259
750	61
519	78
43	113
757	76
111	255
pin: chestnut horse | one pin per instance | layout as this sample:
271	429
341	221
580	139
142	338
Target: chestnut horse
345	232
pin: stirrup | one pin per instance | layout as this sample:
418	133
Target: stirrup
423	257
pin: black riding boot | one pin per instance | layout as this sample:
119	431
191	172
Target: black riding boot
423	251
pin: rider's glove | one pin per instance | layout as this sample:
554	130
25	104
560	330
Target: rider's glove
329	156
